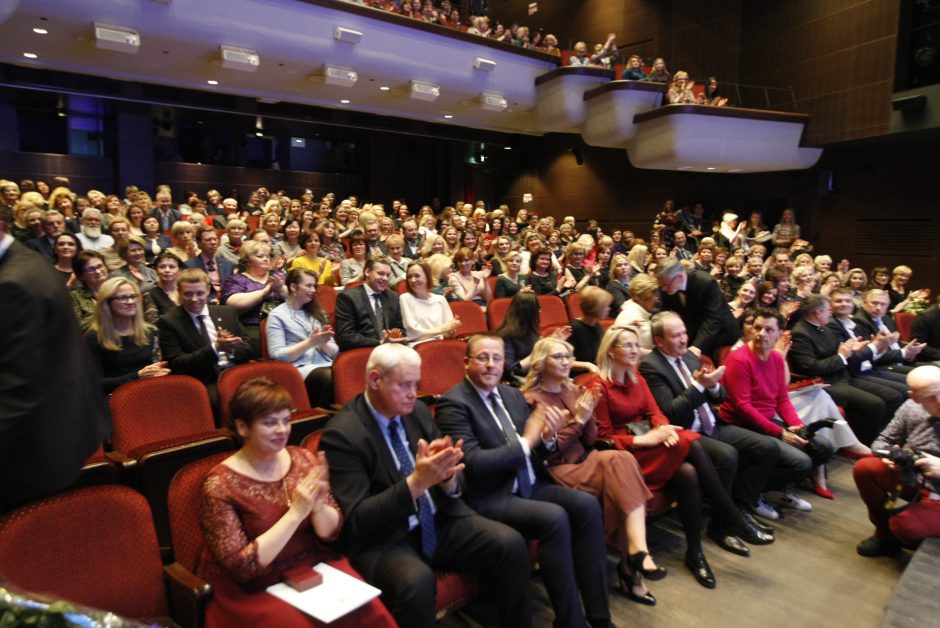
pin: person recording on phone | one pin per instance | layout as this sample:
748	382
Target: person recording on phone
298	332
201	340
914	431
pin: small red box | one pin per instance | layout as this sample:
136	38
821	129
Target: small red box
303	578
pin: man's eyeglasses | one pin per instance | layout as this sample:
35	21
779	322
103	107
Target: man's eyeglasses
485	358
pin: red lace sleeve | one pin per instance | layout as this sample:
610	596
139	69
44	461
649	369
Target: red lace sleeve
223	530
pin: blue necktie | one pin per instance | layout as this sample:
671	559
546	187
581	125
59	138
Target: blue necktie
425	516
509	432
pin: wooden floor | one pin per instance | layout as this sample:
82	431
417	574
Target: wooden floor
810	577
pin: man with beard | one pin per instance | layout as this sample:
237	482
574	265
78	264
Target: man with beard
90	236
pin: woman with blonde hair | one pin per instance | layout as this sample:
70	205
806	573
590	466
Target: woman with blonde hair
121	345
613	475
680	92
184	240
433	245
637	312
638	257
256	290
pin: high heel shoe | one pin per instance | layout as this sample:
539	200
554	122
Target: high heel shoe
822	491
630	579
636	563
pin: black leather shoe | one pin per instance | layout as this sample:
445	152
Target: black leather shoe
699	567
757	523
875	546
729	542
752	535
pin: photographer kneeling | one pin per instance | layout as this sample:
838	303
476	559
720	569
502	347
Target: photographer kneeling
909	448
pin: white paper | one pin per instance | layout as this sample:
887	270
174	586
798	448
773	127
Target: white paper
338	594
805	389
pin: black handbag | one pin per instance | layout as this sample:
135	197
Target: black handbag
639	428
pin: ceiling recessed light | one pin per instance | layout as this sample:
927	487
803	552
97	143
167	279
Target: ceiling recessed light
448	116
40	31
30	55
212	82
344	102
710	168
507	147
61	114
259	134
385	88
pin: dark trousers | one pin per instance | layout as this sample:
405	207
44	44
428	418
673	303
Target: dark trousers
753	455
869	404
569	527
472	543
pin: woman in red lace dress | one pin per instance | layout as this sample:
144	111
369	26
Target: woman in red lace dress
265	509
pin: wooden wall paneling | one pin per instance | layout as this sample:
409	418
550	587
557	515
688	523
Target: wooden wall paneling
84	173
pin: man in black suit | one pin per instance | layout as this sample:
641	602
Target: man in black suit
369	315
53	223
52	414
506	481
926	328
874	319
198	339
818	352
686	393
165	212
217	268
400	494
409	231
697	298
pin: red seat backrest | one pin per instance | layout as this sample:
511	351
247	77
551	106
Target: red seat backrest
326	297
183	499
904	321
159	409
552	311
574	305
472	318
282	373
442	365
496	311
349	374
94	546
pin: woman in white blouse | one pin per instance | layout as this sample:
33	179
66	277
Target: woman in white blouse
426	315
298	332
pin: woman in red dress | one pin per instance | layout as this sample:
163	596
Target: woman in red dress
668	455
612	475
265	509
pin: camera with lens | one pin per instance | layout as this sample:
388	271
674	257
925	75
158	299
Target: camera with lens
806	432
904	458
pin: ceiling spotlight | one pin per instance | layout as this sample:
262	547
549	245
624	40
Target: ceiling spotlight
212	82
484	65
30	55
234	58
343	77
448	116
347	35
507	147
385	88
259	134
117	38
425	91
710	168
344	102
493	102
40	31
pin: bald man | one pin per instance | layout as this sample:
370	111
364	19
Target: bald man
916	425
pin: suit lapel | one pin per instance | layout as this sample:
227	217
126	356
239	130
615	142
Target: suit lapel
483	413
666	367
392	473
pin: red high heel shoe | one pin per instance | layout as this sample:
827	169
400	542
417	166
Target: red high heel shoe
822	491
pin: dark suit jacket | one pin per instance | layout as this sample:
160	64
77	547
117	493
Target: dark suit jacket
52	413
867	353
226	269
677	401
44	246
706	314
186	350
174	216
355	318
492	462
815	352
866	325
926	328
621	294
367	484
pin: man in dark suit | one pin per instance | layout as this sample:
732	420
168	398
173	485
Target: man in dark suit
697	298
818	352
217	268
926	328
397	482
52	414
507	482
53	223
165	212
874	319
369	315
198	339
409	231
686	393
